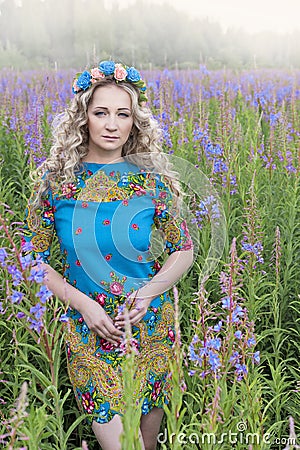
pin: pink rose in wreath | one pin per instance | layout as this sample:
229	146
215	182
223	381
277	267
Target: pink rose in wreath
75	87
120	72
116	288
97	74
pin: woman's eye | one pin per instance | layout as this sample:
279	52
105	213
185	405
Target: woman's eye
103	113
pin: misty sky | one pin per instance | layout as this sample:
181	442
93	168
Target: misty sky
252	15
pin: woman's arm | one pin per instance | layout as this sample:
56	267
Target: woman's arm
171	271
94	315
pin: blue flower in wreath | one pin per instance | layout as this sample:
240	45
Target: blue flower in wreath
107	67
84	80
133	75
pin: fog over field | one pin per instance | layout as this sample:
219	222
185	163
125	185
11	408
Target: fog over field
257	15
155	33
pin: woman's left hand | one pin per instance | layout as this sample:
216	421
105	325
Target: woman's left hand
137	310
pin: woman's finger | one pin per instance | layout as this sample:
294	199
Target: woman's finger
134	316
105	334
113	332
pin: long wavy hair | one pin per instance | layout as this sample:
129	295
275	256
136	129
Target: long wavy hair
70	143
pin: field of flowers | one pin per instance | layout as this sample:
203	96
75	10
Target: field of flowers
235	372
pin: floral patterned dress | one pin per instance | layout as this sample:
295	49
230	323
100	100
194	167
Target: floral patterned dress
104	222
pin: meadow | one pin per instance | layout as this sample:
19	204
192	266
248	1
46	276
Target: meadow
235	372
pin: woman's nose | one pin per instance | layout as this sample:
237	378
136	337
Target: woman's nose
111	123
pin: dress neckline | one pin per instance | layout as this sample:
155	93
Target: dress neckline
103	164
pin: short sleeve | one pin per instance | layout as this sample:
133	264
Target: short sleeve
39	230
168	219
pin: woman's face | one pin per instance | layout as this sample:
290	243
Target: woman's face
109	123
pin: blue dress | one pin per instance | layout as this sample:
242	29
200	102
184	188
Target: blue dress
104	222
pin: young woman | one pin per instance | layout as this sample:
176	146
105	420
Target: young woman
103	190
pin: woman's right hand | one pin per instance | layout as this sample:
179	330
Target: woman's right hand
93	314
100	323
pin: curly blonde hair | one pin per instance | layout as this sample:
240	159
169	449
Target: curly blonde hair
70	142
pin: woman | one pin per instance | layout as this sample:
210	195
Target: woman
102	192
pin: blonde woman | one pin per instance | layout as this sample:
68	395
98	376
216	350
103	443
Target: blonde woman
104	188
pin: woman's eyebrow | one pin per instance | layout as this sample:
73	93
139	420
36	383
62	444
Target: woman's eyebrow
104	107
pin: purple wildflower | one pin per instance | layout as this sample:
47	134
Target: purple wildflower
256	249
193	356
44	293
234	358
34	324
290	168
27	246
256	357
218	326
209	208
36	275
241	371
238	334
3	256
214	361
20	315
37	310
226	303
220	166
214	343
16	296
251	342
16	275
274	118
203	70
64	318
195	339
237	313
212	151
25	261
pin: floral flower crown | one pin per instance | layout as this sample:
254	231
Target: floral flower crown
120	72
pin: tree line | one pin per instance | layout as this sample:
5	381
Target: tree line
73	33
